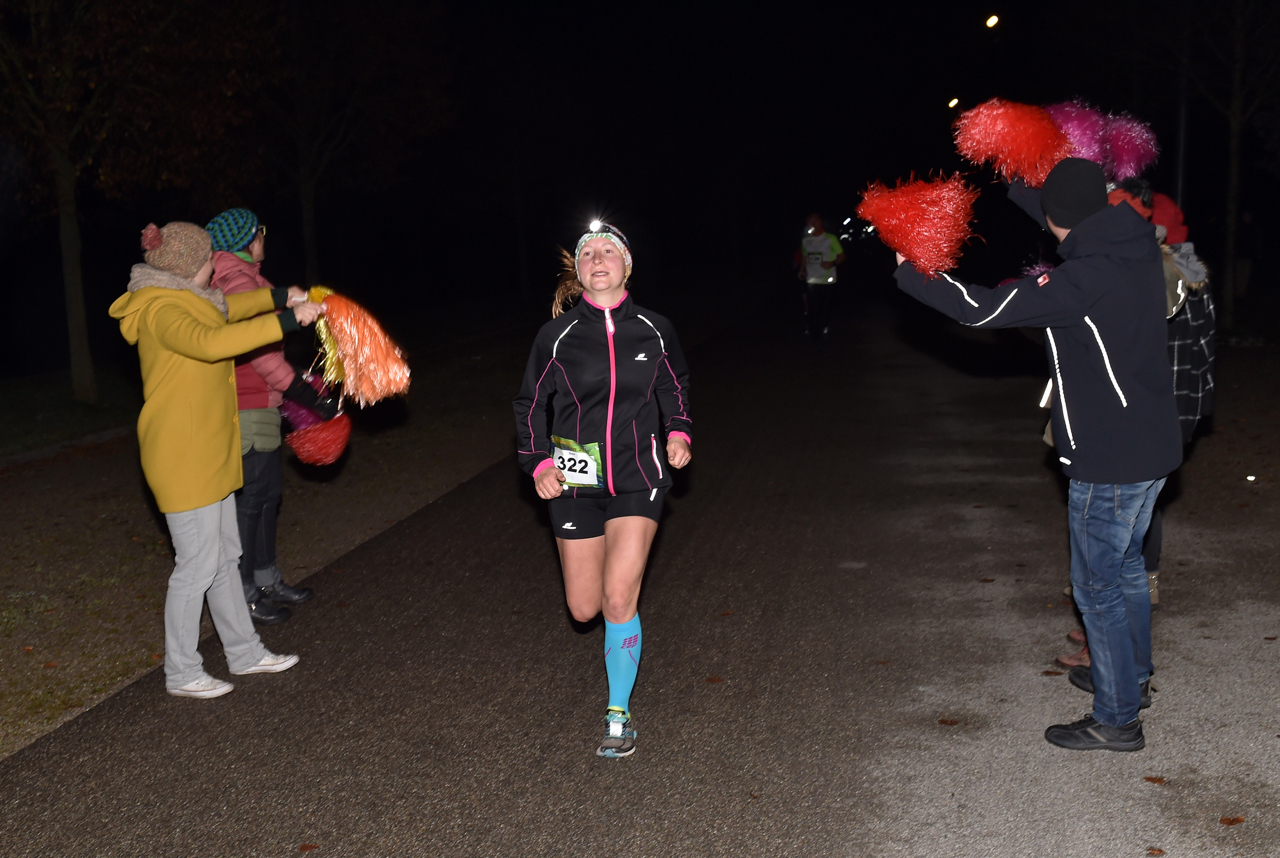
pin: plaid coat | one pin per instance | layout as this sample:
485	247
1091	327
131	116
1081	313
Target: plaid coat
1191	352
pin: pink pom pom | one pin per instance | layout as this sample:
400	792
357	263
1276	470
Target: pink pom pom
323	443
151	237
299	415
1020	140
1084	127
925	221
1037	269
1131	147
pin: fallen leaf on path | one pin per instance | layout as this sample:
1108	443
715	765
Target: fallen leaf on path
1273	637
28	649
979	505
156	656
948	722
1155	851
988	580
51	664
1231	820
307	847
753	795
882	662
1051	673
727	614
1154	780
715	679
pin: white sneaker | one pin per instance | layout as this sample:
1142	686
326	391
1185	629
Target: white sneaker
204	687
271	663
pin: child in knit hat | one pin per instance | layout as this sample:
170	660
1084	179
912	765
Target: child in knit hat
264	378
187	335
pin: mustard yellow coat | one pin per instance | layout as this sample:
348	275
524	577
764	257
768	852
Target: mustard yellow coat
188	430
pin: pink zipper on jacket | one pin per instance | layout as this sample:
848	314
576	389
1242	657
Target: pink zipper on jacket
613	388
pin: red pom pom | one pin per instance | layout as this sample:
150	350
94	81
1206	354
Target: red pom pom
151	237
322	444
1020	140
927	222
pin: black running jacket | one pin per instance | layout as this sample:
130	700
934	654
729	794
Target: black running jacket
611	381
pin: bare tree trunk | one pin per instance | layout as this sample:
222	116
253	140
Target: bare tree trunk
84	386
310	243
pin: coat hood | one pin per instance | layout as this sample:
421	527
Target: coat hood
1116	231
127	307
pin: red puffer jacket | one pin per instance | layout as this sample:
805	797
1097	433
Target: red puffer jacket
263	374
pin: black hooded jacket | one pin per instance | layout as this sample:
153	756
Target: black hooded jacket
610	377
1103	311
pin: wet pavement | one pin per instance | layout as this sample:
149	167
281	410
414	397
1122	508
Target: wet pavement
850	617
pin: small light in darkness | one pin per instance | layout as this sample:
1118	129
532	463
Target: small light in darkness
594	225
1251	479
992	21
953	102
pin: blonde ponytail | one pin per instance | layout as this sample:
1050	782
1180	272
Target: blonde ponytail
570	287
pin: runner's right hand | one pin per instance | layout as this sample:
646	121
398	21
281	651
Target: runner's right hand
550	483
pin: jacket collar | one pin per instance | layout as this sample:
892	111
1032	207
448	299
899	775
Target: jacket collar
143	275
592	310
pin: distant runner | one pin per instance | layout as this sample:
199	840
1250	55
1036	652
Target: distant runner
615	380
822	253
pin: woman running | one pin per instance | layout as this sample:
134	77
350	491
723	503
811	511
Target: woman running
618	390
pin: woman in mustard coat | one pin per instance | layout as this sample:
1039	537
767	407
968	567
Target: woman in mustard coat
187	336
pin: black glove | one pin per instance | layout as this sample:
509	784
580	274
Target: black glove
304	394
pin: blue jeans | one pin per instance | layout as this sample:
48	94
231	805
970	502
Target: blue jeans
1109	578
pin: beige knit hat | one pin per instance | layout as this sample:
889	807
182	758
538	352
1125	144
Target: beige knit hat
179	248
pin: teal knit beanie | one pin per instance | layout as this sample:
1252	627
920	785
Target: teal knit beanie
233	229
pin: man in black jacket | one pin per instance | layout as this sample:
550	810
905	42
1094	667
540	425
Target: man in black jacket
1115	424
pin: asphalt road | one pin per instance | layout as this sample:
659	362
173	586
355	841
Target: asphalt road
849	615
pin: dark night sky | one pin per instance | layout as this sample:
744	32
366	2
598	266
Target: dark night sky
706	131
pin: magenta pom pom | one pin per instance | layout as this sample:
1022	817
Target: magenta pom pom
299	416
1037	269
1131	147
1084	127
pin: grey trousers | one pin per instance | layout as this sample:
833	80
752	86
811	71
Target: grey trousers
207	544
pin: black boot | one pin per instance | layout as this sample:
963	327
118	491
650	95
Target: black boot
264	612
282	594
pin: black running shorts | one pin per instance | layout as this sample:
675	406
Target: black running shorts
584	518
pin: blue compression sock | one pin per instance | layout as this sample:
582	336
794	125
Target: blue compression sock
621	659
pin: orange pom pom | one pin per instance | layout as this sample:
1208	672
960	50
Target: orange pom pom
323	443
375	367
1020	140
925	221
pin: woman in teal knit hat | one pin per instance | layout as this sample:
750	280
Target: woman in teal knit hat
263	379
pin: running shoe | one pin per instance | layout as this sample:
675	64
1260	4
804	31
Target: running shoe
619	736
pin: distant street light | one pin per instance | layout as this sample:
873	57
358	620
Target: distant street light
953	102
992	21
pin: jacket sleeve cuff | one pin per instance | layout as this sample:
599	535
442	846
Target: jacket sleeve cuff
288	321
280	297
542	466
682	436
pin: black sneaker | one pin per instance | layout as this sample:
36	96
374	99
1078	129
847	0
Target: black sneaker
281	593
1088	735
1082	679
264	613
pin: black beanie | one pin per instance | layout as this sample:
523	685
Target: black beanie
1072	191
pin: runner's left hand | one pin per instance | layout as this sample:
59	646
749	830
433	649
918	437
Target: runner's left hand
678	453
